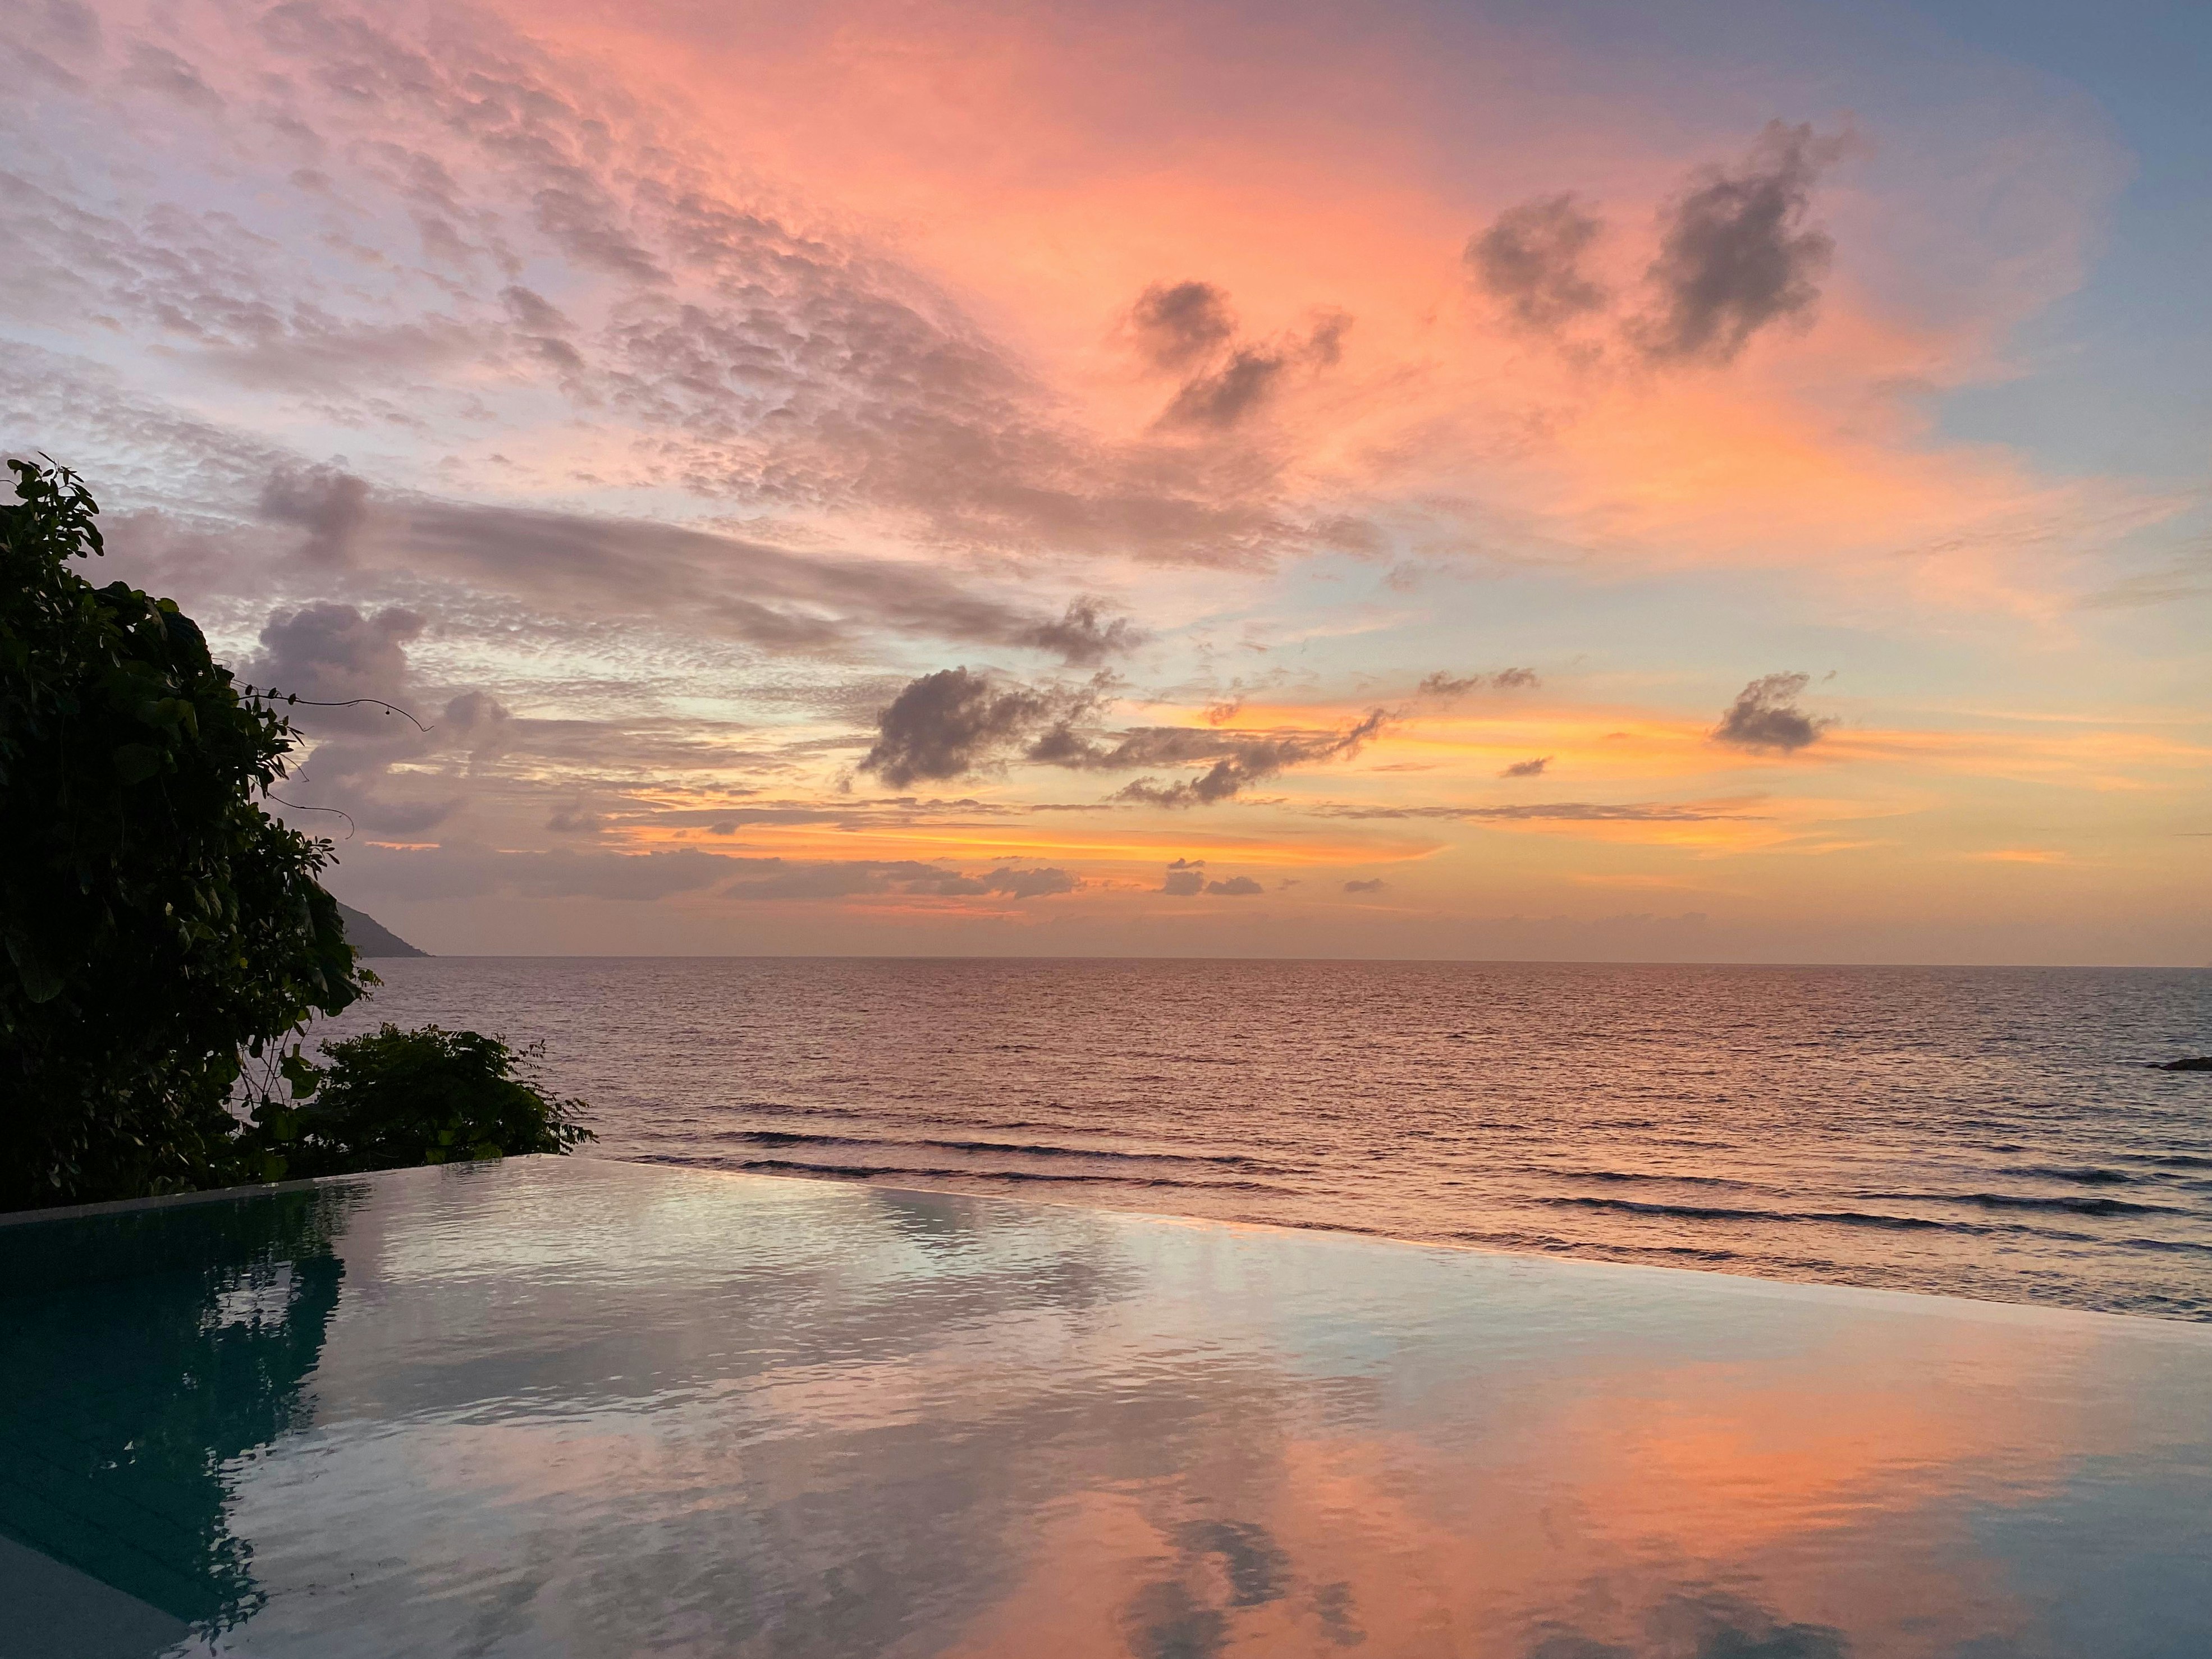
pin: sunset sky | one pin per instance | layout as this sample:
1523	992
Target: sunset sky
1606	481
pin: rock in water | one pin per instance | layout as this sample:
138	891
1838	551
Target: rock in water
371	938
2200	1063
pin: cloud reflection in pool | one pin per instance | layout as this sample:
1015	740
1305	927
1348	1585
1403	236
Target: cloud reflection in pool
588	1408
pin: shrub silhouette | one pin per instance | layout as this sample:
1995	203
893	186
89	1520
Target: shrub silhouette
392	1098
158	923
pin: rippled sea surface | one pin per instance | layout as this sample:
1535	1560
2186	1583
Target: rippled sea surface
1988	1132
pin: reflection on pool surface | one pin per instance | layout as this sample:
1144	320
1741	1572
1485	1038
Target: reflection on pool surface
572	1406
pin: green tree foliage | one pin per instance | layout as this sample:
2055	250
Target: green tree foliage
158	923
394	1098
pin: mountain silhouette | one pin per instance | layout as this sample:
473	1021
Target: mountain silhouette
371	938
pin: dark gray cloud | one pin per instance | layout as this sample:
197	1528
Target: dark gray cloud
1441	684
328	504
950	723
392	775
1188	329
1179	326
1528	769
1765	719
1238	759
764	596
1222	396
1374	884
1040	882
346	668
1084	636
958	720
333	653
576	819
1323	346
1530	259
1734	255
479	726
1226	395
1186	878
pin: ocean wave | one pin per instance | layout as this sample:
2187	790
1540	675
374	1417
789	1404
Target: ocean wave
1012	1149
2185	1246
1714	1213
1668	1180
2092	1177
1582	1249
940	1172
2034	1201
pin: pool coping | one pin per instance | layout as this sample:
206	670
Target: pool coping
215	1194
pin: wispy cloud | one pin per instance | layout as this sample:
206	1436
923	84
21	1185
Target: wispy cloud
1446	687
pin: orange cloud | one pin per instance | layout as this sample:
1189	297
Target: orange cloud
1047	166
1820	1496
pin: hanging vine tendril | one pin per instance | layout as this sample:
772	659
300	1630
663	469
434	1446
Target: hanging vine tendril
271	694
293	699
296	806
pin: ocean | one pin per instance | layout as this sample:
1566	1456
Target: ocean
1996	1133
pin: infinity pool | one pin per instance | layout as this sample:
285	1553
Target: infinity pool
578	1406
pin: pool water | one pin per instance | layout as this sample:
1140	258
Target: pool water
579	1406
